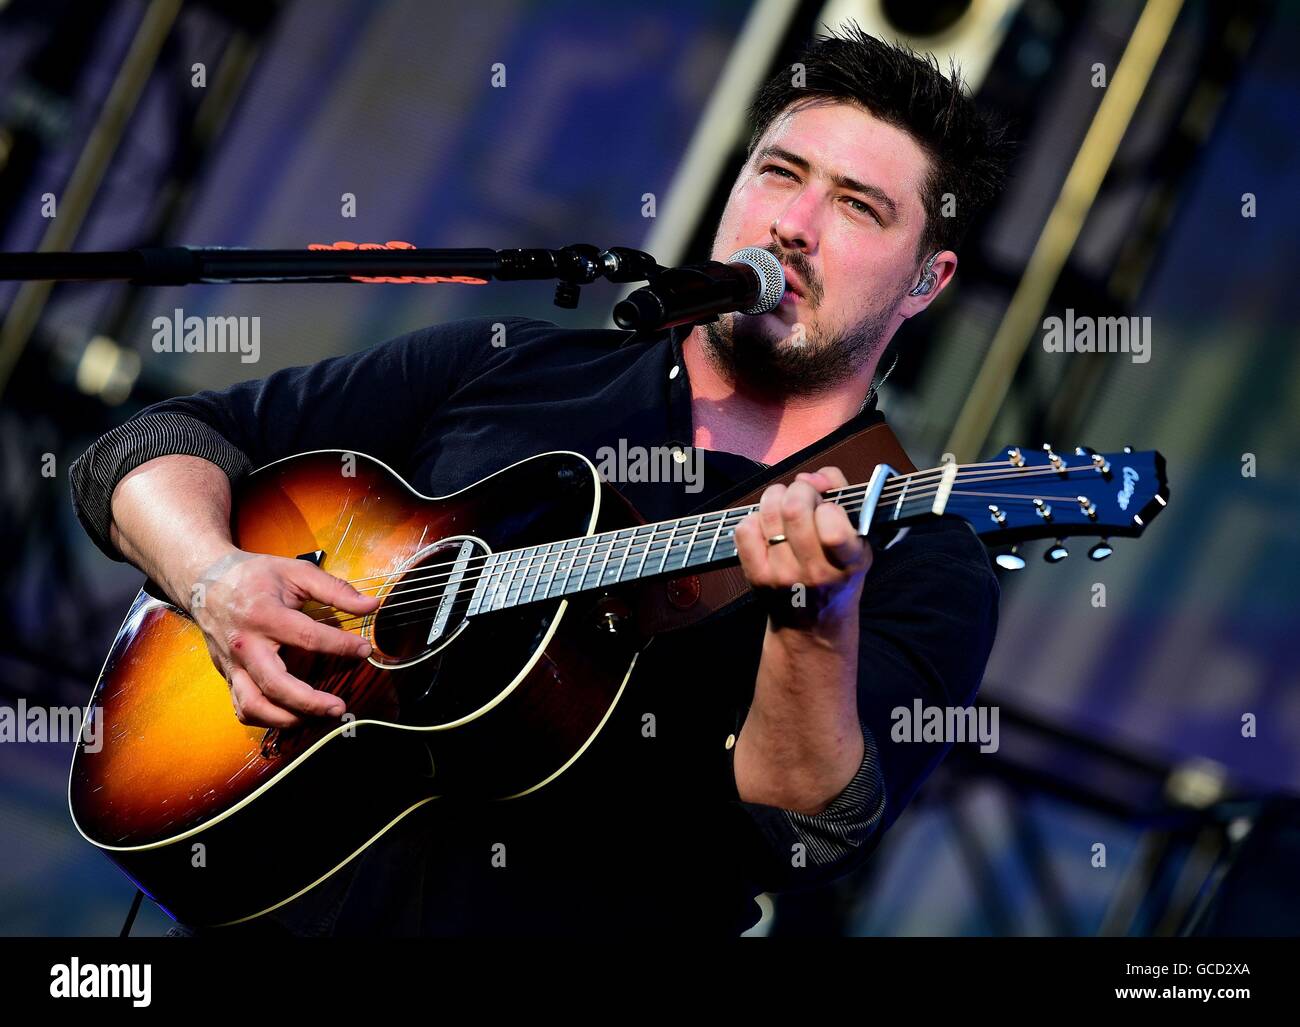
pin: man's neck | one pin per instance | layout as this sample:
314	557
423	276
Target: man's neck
763	428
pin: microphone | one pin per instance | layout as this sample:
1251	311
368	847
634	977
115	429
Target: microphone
751	281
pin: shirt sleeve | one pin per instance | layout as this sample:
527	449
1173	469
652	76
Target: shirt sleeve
375	401
817	848
927	623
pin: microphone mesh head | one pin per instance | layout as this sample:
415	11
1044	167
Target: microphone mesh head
770	273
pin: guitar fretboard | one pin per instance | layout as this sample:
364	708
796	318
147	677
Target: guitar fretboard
519	576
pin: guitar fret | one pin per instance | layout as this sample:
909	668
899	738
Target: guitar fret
556	585
686	559
570	548
503	582
548	569
705	521
595	551
668	545
494	580
639	538
613	542
518	580
654	530
480	587
729	543
585	548
535	569
574	584
604	563
722	520
588	549
674	543
631	541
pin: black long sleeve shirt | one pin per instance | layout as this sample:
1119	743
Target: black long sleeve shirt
646	829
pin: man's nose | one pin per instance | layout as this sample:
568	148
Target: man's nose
795	228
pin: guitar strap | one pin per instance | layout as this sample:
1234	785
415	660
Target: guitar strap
670	603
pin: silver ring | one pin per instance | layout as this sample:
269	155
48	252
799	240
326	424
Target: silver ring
776	540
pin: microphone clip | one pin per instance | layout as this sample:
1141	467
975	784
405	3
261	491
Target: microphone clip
581	263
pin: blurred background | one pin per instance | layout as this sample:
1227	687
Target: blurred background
243	124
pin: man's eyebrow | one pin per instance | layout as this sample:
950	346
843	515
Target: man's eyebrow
839	181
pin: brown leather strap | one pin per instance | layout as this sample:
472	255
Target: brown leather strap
670	603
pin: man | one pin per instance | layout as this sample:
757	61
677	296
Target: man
751	752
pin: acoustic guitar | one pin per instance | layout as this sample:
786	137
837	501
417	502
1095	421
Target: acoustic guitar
506	634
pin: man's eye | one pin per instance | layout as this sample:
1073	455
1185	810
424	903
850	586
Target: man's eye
781	171
862	208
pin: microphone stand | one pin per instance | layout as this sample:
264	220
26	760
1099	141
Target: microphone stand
573	266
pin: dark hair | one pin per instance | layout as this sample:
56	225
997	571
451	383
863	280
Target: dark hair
968	149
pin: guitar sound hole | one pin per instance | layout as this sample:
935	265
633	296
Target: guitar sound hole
425	605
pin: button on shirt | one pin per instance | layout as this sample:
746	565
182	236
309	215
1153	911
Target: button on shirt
646	830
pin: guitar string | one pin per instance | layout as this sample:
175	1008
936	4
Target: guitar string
589	544
466	596
417	616
914	480
648	549
650	545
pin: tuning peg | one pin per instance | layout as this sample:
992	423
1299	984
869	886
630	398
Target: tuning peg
1010	561
1056	552
1101	550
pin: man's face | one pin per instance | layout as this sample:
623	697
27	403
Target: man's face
835	195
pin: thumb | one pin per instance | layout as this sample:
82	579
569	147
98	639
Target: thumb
332	591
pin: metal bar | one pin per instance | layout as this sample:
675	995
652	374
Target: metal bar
75	204
1061	231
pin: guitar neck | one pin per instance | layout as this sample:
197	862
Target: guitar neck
519	576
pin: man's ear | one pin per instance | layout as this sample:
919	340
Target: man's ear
942	266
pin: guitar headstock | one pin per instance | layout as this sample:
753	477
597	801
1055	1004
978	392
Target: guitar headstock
1022	494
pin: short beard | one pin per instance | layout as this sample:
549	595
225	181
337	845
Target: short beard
777	369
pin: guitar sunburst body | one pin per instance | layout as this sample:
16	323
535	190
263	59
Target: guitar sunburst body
218	821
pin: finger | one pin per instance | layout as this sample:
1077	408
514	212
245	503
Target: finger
752	549
841	545
314	583
295	628
252	707
797	515
825	480
780	558
268	672
816	479
769	509
835	476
